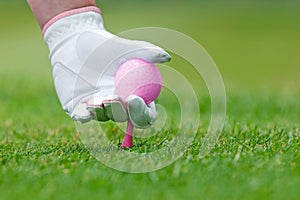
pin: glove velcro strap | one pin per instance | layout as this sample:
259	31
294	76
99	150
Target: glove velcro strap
71	22
69	13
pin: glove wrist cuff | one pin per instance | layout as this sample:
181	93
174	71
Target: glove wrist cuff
69	13
71	22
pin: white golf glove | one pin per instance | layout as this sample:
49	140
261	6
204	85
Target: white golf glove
85	58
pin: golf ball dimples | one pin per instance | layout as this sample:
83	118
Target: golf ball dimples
138	77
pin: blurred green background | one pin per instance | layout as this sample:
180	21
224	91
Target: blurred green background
254	43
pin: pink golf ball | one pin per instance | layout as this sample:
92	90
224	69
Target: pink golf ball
138	77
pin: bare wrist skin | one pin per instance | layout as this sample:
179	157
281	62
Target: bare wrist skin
45	10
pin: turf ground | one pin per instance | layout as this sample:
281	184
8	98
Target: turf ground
256	47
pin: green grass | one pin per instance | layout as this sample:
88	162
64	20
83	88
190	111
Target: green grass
256	46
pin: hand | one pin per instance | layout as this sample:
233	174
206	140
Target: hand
84	81
141	115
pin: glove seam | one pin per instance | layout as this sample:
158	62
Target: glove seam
67	69
69	13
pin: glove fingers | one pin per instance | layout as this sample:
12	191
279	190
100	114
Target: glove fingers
115	111
141	115
89	41
105	57
147	51
108	108
81	113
